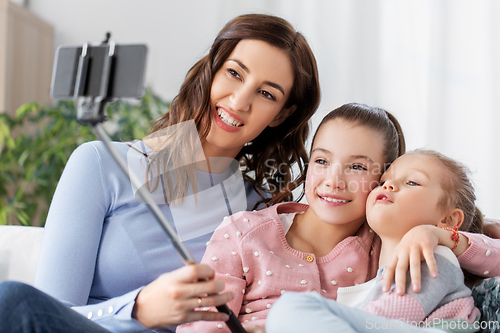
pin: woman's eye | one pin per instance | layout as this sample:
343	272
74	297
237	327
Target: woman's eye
320	161
233	73
412	183
268	95
359	167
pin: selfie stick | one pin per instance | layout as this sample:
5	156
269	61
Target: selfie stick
90	111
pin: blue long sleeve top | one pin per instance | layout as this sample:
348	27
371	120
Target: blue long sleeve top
101	245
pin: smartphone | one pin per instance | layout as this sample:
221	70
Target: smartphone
126	71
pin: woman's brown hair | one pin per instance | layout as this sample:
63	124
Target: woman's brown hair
267	160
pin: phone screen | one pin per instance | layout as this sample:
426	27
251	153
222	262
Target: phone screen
127	73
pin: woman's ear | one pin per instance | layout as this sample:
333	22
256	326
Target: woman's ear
454	218
284	113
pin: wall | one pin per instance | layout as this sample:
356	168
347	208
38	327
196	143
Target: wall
433	63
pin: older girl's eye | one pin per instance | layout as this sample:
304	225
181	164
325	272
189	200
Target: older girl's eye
412	183
233	73
320	161
268	95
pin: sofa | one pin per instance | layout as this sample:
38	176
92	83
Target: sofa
20	249
19	252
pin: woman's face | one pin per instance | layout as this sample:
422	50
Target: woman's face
248	94
346	164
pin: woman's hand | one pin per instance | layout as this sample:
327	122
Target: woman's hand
171	299
252	328
418	243
492	227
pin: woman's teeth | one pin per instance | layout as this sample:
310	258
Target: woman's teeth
226	118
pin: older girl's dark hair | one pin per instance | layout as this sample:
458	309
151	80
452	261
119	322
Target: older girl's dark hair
458	190
267	160
377	119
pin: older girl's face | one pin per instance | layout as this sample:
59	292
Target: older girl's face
346	164
248	94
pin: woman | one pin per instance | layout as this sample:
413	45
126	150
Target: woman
250	100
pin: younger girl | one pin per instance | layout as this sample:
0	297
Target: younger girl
317	247
420	188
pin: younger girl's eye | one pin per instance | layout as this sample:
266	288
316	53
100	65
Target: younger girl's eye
233	72
412	183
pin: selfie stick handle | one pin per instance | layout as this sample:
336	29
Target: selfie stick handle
91	111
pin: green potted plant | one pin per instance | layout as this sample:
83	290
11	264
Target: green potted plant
36	144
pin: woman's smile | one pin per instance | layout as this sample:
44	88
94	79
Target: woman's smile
227	121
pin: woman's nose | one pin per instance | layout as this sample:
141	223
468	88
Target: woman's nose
241	99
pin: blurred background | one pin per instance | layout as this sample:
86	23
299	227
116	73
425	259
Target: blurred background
434	64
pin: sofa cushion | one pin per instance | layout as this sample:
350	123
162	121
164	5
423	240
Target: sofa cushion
19	251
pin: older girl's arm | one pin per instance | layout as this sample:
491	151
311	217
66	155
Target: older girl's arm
477	253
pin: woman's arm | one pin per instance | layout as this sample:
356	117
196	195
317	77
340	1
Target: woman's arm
73	229
71	244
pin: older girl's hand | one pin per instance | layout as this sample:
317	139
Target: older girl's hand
418	244
171	299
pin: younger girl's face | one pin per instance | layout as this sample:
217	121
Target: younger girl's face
346	164
408	196
248	94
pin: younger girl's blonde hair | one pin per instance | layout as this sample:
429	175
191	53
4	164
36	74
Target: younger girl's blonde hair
459	190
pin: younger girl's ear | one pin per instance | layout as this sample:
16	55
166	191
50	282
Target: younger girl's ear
284	113
454	218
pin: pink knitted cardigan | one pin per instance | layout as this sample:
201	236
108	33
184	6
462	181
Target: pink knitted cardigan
250	254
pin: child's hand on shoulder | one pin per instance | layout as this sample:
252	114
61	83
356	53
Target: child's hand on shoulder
418	244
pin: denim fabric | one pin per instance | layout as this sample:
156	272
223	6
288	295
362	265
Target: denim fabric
25	309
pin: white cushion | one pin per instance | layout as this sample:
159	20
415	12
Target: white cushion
19	251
